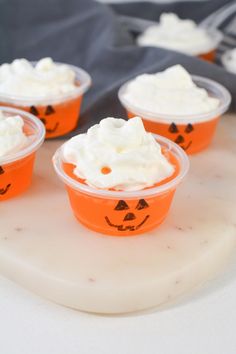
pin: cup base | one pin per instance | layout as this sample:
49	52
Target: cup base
118	233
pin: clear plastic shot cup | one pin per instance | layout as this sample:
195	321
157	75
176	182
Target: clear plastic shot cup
192	132
122	213
216	37
59	113
16	168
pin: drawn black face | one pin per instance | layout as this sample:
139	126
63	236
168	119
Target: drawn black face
48	111
3	190
129	216
180	139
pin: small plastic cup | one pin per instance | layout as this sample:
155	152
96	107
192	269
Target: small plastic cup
216	37
16	169
121	213
59	114
192	132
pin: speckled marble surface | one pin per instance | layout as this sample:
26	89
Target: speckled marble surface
43	247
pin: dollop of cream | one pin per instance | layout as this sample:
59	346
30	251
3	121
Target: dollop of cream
177	34
117	154
12	136
46	79
229	60
169	92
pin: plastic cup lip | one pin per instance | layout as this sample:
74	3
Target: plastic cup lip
34	145
214	88
226	63
108	194
81	76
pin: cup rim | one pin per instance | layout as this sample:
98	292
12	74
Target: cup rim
81	75
220	92
178	152
29	149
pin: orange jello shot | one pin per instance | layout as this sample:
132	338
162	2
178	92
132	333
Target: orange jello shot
16	167
58	110
182	35
192	132
123	212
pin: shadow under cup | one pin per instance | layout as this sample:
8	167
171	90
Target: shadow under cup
16	169
193	132
59	114
120	213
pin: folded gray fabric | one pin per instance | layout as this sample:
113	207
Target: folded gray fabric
89	34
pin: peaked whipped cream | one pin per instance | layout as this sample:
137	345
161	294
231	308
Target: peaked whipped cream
169	92
229	60
117	154
12	137
177	34
46	79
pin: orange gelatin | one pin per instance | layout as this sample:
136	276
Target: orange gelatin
190	137
59	119
15	177
121	217
210	56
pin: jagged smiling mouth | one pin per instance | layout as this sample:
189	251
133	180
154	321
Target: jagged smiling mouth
49	130
186	147
4	190
128	227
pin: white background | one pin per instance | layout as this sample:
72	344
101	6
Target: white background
202	324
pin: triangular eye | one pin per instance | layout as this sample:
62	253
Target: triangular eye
1	170
49	110
142	204
173	128
34	110
122	205
189	128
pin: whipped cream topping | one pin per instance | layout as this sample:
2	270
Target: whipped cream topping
117	154
12	137
169	92
46	79
177	34
229	60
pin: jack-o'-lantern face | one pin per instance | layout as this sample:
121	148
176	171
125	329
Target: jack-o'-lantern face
127	216
181	138
48	113
3	190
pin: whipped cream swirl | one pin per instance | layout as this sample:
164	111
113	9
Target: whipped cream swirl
46	79
169	92
177	34
117	154
12	136
229	60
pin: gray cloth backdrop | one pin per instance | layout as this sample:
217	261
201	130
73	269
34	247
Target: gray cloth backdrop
90	34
